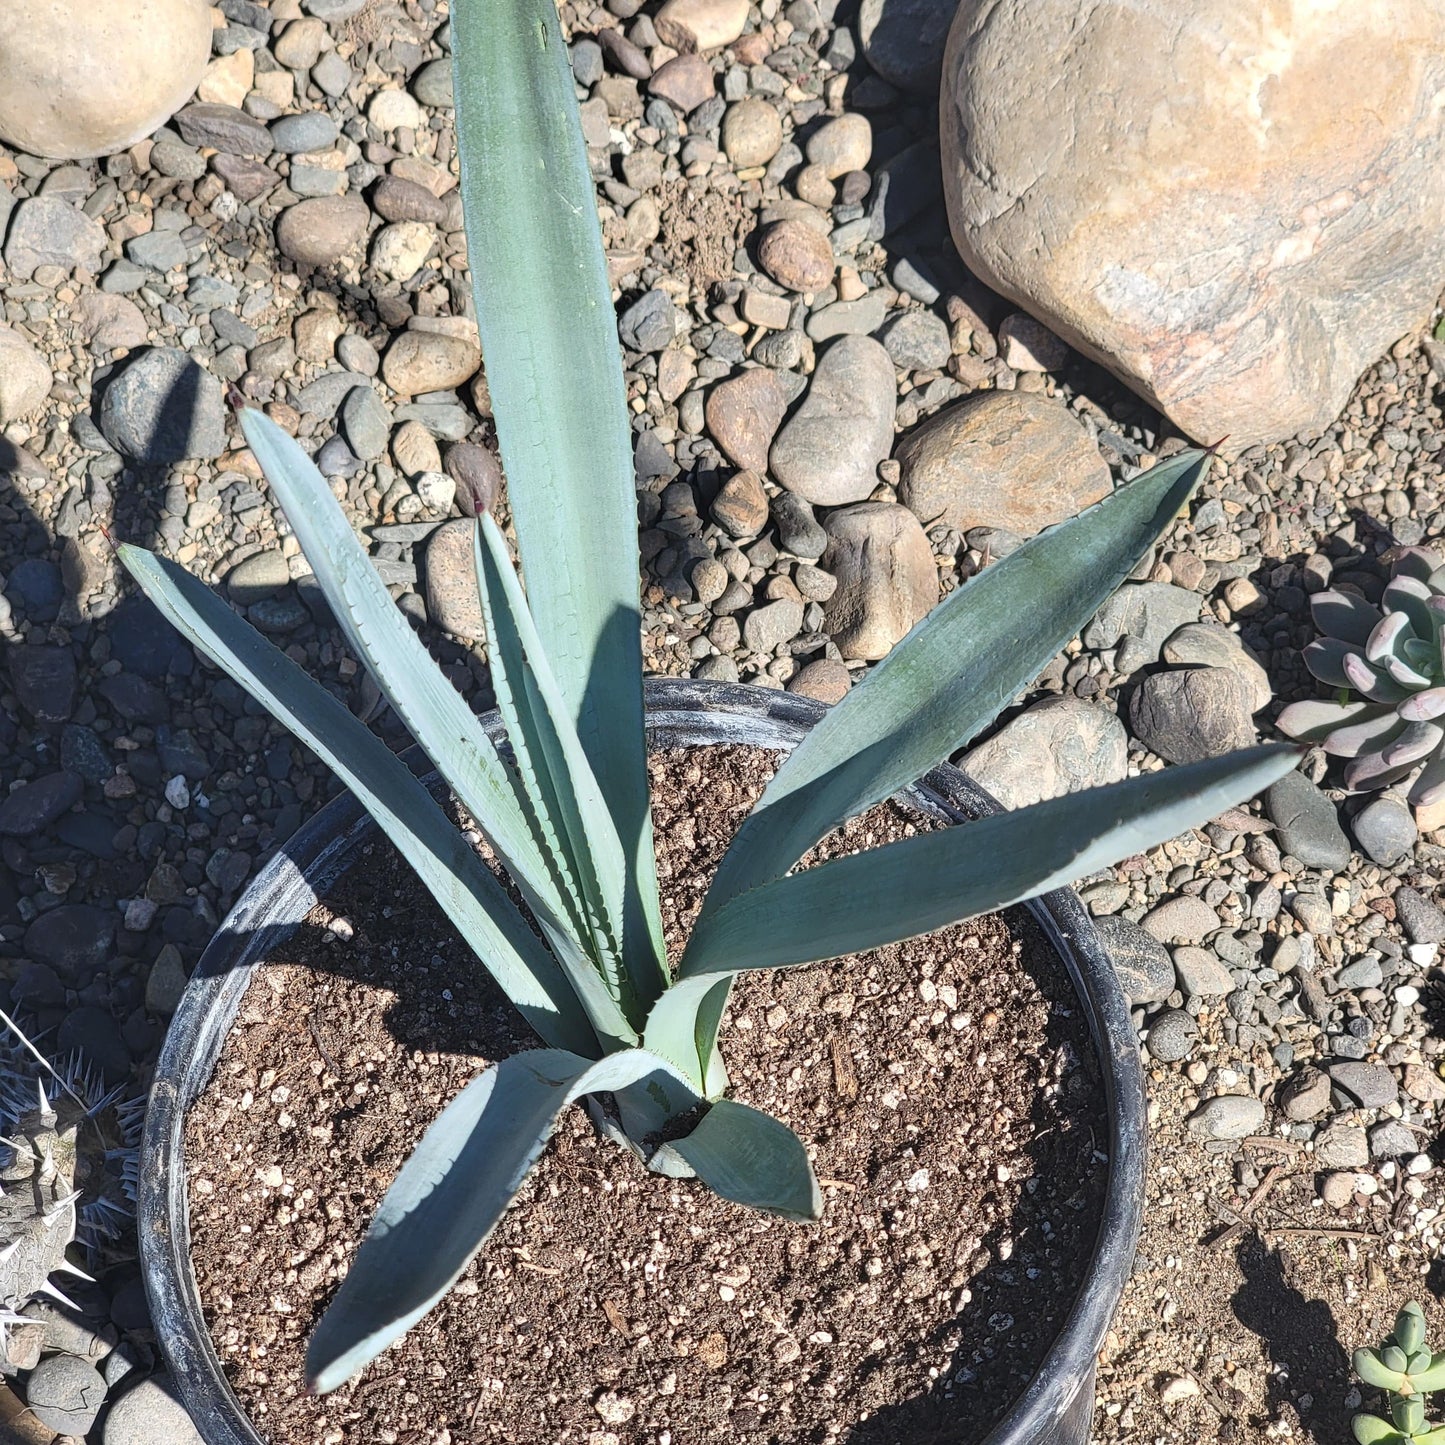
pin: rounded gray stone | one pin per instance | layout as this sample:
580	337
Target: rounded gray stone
312	130
1145	970
1191	714
164	407
1061	745
1200	973
65	1394
917	341
1308	826
150	1413
1228	1116
829	449
1172	1036
1386	830
38	804
365	422
1180	920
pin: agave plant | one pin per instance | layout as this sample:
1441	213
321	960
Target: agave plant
567	811
1393	657
1403	1367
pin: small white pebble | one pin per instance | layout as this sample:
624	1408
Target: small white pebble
178	795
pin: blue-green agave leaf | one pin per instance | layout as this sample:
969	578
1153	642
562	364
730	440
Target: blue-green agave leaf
450	1194
445	862
922	883
434	712
555	771
751	1158
554	369
952	674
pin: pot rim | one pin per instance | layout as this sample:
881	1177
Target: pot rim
680	712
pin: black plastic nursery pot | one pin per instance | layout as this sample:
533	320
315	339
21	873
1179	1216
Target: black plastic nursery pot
1057	1406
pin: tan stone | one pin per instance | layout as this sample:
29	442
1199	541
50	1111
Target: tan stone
690	25
228	78
1009	459
24	376
887	578
419	361
85	78
743	416
1234	205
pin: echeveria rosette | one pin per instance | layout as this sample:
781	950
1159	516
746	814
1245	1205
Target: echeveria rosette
1391	657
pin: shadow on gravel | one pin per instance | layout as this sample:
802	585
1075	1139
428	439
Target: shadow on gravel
1302	1341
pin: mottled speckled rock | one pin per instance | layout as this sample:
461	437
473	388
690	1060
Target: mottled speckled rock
1262	208
1009	459
829	450
887	579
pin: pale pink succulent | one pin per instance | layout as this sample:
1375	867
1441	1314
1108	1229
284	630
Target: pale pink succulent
1387	663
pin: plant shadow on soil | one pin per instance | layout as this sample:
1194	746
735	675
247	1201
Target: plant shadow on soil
1301	1338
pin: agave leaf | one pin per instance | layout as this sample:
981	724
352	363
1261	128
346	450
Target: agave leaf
450	1194
549	335
1344	615
1371	1430
1325	658
451	870
1377	727
1314	721
1374	1371
1382	641
1429	787
886	894
434	712
1370	682
554	768
751	1158
952	674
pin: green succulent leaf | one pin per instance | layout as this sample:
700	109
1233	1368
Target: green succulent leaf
1314	721
434	712
450	1194
753	1159
1374	1371
1394	1358
549	335
558	779
1371	1430
942	877
1432	1378
1409	1328
445	862
1409	1413
952	674
1430	1437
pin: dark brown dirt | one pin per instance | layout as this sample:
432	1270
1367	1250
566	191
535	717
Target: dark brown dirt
701	232
946	1084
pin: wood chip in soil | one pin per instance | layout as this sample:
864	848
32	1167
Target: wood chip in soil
946	1087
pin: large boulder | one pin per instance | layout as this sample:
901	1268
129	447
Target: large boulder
1235	206
80	78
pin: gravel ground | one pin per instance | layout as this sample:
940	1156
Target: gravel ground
298	233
